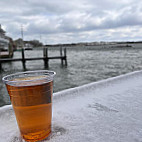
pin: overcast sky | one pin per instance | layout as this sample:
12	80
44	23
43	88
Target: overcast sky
64	21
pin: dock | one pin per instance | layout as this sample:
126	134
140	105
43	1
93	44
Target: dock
45	58
6	54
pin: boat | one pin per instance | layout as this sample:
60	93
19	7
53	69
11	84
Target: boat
28	46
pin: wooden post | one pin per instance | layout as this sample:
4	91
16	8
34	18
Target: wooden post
65	56
61	55
0	66
43	53
45	56
23	59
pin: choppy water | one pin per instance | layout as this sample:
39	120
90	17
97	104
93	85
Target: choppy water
85	65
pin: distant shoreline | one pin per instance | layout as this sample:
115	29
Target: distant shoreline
94	43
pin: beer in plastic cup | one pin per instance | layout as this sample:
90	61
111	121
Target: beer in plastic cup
31	97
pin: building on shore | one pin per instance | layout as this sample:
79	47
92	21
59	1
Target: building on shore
19	43
6	45
3	41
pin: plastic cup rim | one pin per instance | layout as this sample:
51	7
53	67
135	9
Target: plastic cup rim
27	72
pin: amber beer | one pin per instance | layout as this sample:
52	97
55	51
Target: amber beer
31	98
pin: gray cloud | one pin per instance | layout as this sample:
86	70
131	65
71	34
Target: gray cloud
72	21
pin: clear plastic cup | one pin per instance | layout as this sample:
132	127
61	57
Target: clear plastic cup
31	97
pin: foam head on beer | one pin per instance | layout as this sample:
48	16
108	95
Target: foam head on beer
29	80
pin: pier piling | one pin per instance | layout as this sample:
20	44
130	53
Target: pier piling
45	57
61	56
23	59
65	56
0	66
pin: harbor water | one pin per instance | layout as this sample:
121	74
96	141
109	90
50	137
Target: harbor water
85	65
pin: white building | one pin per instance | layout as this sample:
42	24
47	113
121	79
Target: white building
4	41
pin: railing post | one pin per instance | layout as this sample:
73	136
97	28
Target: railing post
23	59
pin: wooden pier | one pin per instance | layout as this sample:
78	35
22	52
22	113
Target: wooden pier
45	58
